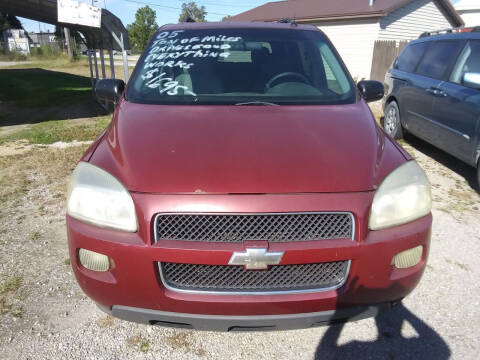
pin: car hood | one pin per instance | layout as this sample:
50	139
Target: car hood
246	149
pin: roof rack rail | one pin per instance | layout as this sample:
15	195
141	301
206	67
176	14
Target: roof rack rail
450	31
287	21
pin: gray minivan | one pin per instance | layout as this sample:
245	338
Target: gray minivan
433	92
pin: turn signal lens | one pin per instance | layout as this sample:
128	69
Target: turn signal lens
94	261
408	258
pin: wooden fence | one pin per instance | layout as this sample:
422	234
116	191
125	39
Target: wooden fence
384	52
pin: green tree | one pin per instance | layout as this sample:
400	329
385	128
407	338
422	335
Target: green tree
8	21
143	28
225	18
193	11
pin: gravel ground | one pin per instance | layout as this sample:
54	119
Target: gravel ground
45	315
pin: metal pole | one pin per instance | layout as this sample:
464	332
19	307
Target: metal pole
96	64
121	44
125	59
69	46
112	63
102	62
91	70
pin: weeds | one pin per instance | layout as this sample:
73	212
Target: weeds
17	311
35	236
10	286
139	342
105	322
12	56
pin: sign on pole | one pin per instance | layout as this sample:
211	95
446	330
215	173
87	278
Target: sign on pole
73	12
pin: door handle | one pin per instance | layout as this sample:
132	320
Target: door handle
436	92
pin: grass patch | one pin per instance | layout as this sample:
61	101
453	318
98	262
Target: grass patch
12	56
34	87
49	132
61	63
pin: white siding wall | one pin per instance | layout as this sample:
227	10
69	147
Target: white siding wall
411	20
471	18
354	40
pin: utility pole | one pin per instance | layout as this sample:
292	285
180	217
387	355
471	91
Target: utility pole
69	46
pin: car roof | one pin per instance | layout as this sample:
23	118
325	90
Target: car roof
236	25
448	36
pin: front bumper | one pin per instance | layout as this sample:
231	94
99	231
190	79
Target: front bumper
246	322
134	282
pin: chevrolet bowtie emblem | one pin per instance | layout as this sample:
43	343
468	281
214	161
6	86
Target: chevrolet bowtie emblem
256	258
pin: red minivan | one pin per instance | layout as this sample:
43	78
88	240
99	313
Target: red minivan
243	184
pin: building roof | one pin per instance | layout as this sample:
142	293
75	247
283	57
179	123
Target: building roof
311	10
467	5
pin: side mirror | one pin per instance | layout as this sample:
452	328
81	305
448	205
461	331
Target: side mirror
471	79
109	89
371	90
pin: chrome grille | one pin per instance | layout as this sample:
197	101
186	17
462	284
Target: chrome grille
239	227
234	279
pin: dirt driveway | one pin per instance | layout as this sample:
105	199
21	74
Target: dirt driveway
45	315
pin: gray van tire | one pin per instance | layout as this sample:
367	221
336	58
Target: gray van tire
391	122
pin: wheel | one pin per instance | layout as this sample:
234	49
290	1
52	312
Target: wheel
391	122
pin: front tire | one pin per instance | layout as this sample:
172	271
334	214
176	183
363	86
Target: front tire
391	123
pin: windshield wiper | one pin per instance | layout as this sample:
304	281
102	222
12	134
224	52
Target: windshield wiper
256	102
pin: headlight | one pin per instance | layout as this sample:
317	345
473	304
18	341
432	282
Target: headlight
403	196
97	197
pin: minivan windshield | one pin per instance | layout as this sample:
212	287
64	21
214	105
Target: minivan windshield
240	67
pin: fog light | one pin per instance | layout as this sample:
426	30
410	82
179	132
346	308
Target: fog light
93	260
408	258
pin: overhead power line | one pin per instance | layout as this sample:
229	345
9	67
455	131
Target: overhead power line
200	2
169	7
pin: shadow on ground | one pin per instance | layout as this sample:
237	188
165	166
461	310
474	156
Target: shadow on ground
33	95
447	160
390	343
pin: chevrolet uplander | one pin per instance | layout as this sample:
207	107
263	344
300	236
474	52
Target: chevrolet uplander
243	184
